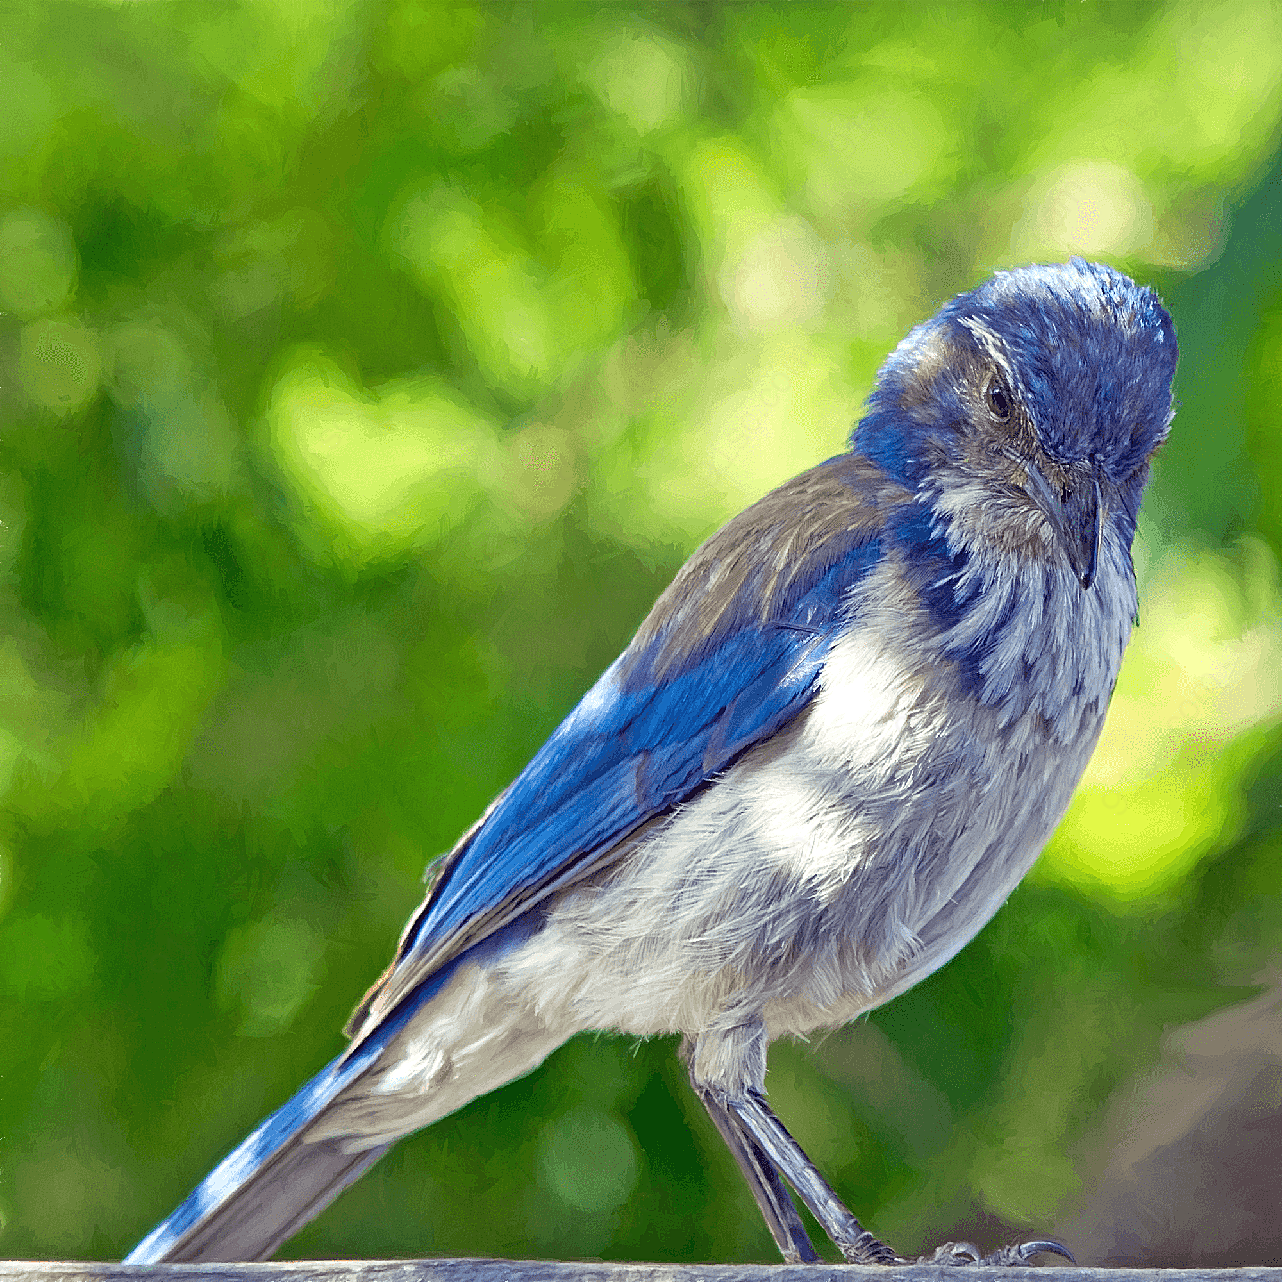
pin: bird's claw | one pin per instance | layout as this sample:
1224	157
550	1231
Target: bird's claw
1026	1251
958	1253
866	1249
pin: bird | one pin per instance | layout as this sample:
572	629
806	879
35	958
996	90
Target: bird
832	749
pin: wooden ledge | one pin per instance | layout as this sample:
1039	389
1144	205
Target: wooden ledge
588	1271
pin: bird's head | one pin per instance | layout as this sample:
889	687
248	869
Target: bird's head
1026	411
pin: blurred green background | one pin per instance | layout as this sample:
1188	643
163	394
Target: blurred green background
366	369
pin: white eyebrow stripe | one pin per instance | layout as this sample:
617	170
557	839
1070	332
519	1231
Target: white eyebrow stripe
990	341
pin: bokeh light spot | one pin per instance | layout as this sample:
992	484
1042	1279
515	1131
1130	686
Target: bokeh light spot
1090	207
643	75
58	365
268	971
37	262
588	1159
385	473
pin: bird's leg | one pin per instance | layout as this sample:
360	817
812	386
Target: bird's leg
772	1197
848	1235
727	1070
855	1243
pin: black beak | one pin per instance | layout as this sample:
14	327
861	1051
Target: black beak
1077	517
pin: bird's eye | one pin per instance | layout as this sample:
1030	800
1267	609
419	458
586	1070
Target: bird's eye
997	398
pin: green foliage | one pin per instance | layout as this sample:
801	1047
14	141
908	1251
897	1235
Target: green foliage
366	370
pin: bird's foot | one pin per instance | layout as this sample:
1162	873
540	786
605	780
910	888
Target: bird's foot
954	1253
866	1249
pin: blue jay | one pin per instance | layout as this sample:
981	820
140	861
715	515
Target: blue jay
835	745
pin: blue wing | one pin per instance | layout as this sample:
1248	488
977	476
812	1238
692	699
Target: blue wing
729	654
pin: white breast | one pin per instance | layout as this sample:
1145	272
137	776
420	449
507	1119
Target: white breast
869	841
